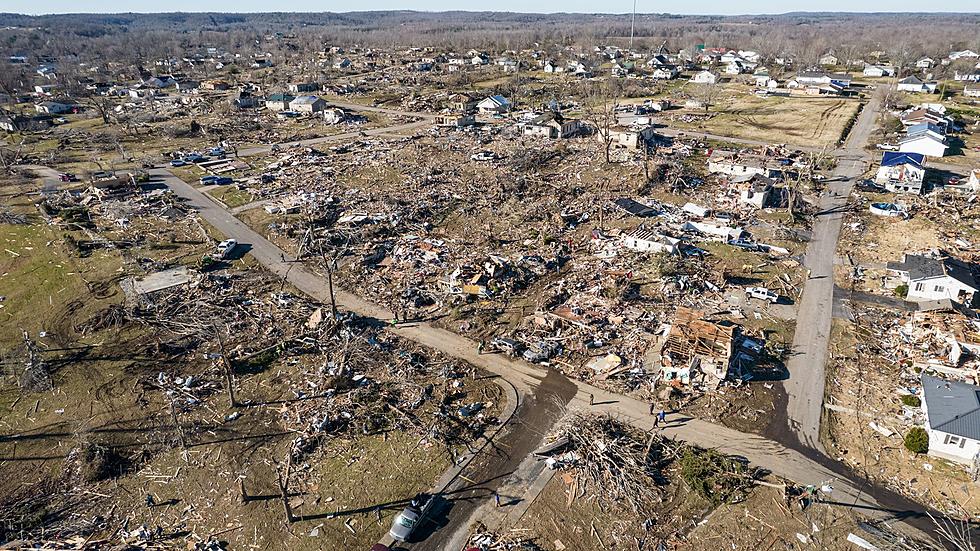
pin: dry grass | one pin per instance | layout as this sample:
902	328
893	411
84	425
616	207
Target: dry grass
800	121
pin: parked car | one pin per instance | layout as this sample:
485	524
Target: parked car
226	247
67	177
209	180
194	158
507	346
406	521
761	293
178	163
224	181
541	351
215	152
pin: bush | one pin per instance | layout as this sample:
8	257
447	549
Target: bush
902	291
912	401
917	440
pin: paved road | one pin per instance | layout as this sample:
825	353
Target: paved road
759	450
805	386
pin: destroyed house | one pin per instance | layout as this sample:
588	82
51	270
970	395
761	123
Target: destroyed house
737	164
552	125
697	349
634	207
931	279
651	241
901	172
952	411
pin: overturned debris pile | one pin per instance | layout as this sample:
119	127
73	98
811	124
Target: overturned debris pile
486	540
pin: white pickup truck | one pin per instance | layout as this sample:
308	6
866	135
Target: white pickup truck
761	293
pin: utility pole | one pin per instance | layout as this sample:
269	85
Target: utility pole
632	25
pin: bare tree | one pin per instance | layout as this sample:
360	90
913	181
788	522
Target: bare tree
600	110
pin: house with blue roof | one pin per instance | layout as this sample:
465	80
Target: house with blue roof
952	412
901	172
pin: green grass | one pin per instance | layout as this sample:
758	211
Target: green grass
231	196
40	278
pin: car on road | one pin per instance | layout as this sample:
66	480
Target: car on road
226	247
541	351
408	520
506	345
209	180
761	293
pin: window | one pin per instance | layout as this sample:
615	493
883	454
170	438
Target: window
939	288
919	286
954	440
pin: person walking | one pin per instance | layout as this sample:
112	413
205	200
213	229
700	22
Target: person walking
480	347
652	408
656	421
496	499
591	399
662	417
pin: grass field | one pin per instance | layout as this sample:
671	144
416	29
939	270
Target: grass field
798	121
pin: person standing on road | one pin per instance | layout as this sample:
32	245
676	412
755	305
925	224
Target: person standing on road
591	399
652	408
480	347
662	417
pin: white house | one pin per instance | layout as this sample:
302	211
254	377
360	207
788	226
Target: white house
878	71
962	54
967	77
923	143
901	172
553	126
916	86
53	107
308	104
665	72
705	77
925	63
972	90
630	137
494	105
734	164
932	279
952	411
650	241
735	67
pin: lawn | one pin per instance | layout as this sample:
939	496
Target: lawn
794	120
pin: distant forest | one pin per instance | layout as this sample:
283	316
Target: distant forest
805	36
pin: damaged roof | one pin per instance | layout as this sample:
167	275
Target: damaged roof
924	267
952	407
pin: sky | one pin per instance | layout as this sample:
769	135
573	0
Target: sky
720	7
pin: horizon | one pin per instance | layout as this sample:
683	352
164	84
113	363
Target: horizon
380	6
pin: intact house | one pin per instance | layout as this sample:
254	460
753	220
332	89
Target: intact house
735	164
916	86
878	71
952	411
925	63
705	77
924	142
278	102
308	104
930	279
494	105
901	172
972	90
552	125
